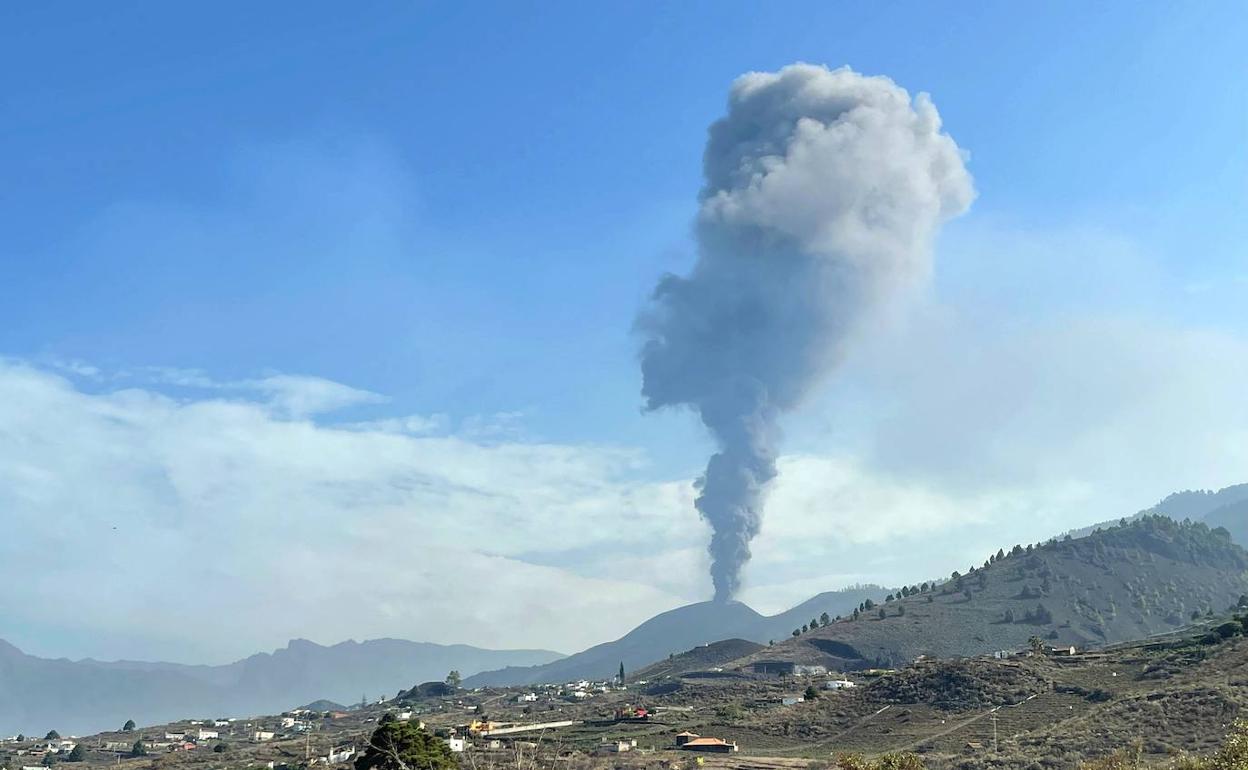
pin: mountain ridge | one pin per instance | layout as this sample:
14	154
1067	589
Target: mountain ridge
38	694
676	631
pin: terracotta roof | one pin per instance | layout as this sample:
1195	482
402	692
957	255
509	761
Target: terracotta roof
686	734
707	742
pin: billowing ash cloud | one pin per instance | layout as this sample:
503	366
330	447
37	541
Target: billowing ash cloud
824	189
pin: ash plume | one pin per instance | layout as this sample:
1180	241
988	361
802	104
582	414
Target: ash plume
823	192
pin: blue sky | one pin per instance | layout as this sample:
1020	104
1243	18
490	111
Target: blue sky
460	207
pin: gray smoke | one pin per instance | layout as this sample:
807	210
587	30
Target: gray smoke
823	192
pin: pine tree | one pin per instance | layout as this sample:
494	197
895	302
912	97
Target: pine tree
402	745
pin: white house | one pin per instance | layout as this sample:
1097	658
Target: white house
529	697
792	700
260	736
208	735
340	754
838	684
288	722
175	736
457	745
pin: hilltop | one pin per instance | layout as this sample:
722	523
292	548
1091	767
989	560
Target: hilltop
1148	576
1226	508
676	631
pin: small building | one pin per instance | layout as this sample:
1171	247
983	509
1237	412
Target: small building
616	747
339	755
838	684
528	697
685	737
260	736
208	735
792	700
711	745
175	736
457	745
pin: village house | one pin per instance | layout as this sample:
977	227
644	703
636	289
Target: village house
340	755
838	684
616	747
688	741
60	746
791	700
208	735
260	736
457	745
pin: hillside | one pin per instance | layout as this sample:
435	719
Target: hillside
676	631
1233	517
1198	504
37	694
704	658
1226	508
1128	582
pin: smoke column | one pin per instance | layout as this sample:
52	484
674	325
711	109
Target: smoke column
823	192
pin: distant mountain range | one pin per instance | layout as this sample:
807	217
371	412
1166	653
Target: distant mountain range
677	631
38	694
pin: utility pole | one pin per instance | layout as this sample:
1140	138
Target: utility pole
995	747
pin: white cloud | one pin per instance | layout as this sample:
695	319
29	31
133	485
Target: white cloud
221	527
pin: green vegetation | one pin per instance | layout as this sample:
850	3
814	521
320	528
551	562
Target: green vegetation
1233	755
894	761
138	749
128	726
404	746
454	680
77	754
